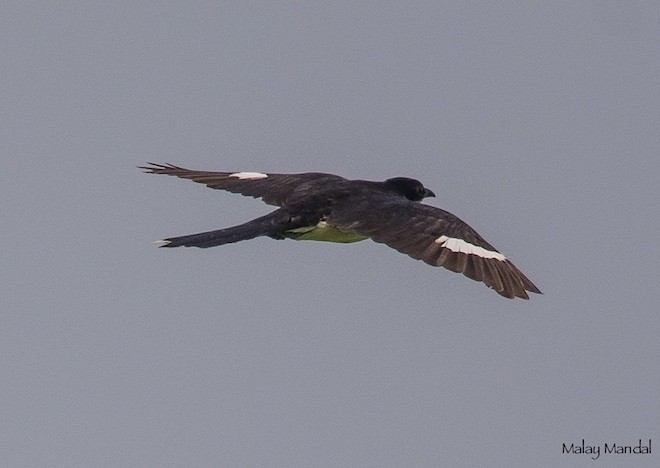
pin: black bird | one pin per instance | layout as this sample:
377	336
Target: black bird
326	207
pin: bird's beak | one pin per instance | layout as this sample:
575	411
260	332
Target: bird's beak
428	193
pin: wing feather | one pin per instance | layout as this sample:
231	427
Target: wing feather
273	189
434	236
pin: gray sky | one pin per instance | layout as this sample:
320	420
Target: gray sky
537	123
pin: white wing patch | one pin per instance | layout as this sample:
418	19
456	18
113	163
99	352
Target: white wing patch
248	175
459	245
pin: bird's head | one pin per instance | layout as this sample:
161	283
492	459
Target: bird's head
410	188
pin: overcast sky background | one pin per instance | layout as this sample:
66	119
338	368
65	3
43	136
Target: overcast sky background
536	122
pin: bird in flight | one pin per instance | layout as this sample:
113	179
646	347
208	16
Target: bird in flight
327	207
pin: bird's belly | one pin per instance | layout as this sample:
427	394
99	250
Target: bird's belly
323	232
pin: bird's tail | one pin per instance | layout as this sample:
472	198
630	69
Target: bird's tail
270	225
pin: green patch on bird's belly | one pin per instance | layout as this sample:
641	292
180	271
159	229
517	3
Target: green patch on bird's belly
323	232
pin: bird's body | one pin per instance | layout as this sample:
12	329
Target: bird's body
326	207
322	231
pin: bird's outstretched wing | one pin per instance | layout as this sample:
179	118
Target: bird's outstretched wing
273	189
435	236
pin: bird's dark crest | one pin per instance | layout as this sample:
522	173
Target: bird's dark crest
412	189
